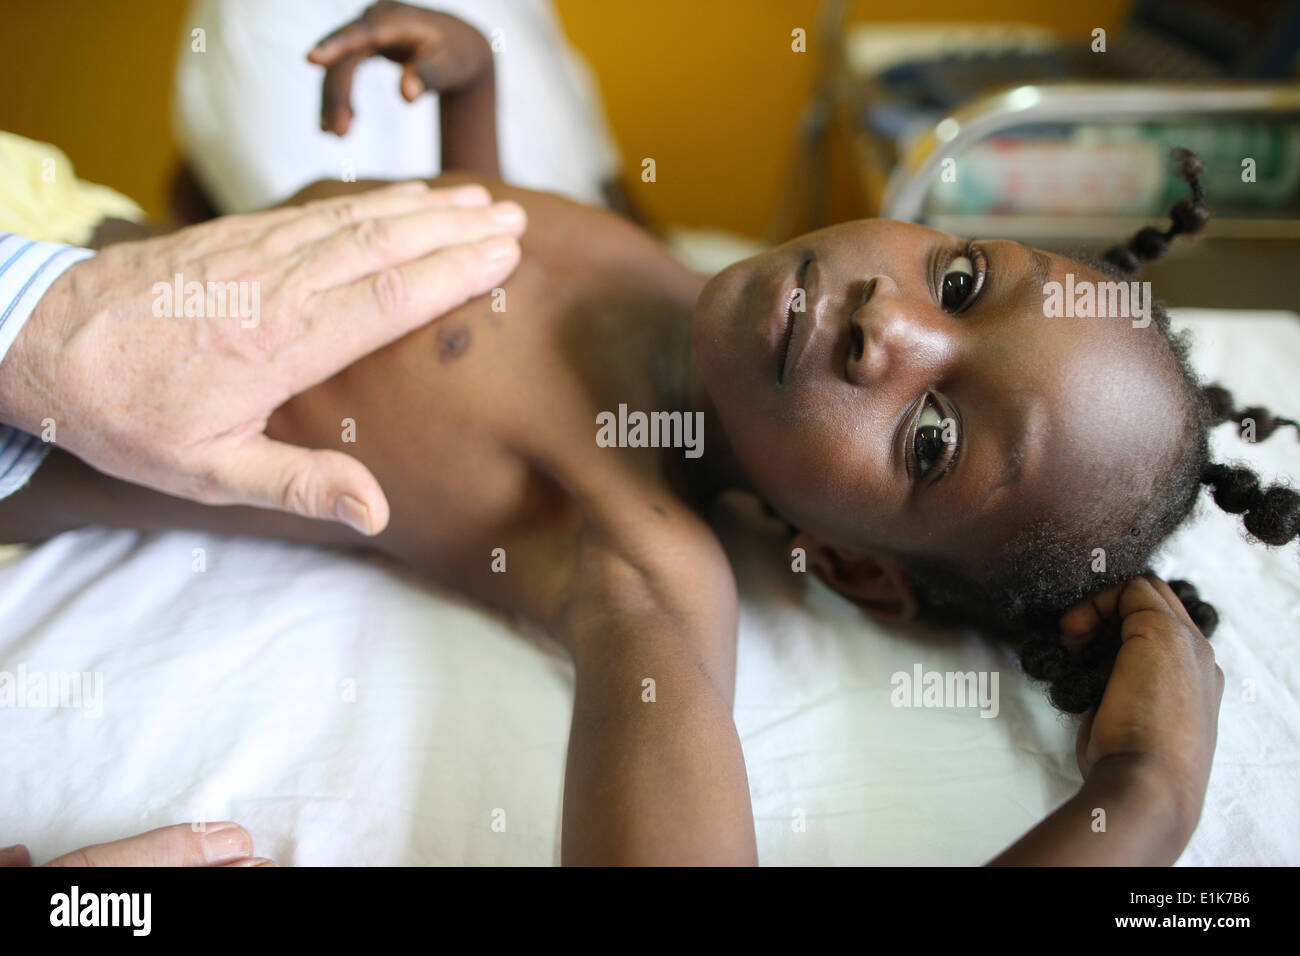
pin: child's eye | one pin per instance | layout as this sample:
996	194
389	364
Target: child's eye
957	283
929	444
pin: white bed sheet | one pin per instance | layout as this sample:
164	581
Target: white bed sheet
348	714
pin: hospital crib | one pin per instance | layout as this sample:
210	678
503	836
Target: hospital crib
1073	158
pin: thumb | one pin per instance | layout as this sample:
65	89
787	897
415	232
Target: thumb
412	84
1082	740
15	855
324	484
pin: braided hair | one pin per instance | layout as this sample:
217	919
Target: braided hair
1187	217
1040	573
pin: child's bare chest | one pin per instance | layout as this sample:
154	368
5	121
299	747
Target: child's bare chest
484	429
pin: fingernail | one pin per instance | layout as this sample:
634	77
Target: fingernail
353	514
412	186
226	841
255	861
507	213
498	247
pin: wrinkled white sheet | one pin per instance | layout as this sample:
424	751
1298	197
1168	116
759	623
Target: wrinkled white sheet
346	713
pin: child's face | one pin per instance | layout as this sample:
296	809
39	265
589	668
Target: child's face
1057	418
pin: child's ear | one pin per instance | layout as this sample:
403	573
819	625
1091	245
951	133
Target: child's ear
869	579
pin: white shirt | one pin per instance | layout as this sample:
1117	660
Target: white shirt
247	108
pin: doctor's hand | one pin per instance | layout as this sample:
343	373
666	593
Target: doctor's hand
159	362
213	844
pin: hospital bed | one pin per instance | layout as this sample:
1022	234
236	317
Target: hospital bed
347	712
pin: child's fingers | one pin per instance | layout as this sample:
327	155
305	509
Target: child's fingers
1124	599
1151	595
436	68
1175	603
412	84
423	71
336	95
1081	741
1130	601
1086	616
16	855
349	38
371	33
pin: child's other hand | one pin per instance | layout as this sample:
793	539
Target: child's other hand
438	52
1160	711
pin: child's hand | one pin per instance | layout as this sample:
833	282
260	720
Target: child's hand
439	53
1146	751
1161	705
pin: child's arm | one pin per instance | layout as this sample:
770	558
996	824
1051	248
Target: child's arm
66	494
655	773
1146	752
438	53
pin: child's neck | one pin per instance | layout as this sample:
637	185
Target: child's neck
678	386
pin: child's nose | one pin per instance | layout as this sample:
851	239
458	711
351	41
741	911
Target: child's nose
891	336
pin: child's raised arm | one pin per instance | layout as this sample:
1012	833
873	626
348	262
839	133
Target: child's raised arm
1146	752
438	53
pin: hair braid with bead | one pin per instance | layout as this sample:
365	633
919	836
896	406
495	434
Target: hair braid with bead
1027	589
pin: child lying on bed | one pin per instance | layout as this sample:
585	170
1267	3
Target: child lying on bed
893	392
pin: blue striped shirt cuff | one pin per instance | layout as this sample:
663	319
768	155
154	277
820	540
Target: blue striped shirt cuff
27	269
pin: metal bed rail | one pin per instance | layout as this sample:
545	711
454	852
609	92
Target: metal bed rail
1072	102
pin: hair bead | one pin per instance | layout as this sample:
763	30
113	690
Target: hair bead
1187	217
1235	489
1124	260
1274	518
1149	243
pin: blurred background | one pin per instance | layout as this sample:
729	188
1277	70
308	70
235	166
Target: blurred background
759	139
678	79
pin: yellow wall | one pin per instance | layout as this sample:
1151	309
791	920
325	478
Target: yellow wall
709	88
94	78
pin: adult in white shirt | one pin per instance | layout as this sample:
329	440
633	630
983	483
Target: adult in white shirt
248	104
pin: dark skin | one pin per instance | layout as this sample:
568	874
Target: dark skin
481	429
438	53
1030	397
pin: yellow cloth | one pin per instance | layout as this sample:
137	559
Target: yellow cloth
42	198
